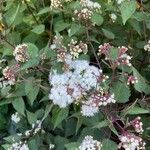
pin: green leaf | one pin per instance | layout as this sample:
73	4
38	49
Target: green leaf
32	50
31	89
31	117
72	146
19	105
108	34
137	110
121	92
59	115
60	143
47	110
30	63
114	53
60	25
38	29
127	8
43	11
101	124
109	145
74	29
141	86
97	19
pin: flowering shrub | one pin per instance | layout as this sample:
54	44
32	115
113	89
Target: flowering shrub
74	74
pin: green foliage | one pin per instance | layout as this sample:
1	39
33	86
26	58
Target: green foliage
47	31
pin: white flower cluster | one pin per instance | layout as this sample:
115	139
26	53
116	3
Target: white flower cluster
76	49
88	7
147	46
90	107
90	4
113	17
9	74
130	141
19	146
84	14
55	4
15	117
137	124
74	83
90	144
20	53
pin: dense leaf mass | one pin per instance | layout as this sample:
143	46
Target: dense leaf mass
74	74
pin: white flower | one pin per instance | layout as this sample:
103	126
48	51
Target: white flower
147	46
19	146
15	117
113	17
89	110
90	144
51	146
74	83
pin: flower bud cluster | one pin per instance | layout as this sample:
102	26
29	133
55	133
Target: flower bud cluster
10	75
122	57
21	53
90	144
137	124
55	4
76	49
97	99
84	14
132	80
147	46
129	141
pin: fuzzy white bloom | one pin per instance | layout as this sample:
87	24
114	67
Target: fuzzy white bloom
72	84
89	110
147	46
15	117
90	144
113	17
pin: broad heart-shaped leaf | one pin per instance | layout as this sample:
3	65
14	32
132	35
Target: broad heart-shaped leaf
19	105
121	92
31	89
58	115
97	19
141	86
127	8
108	34
109	145
38	29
